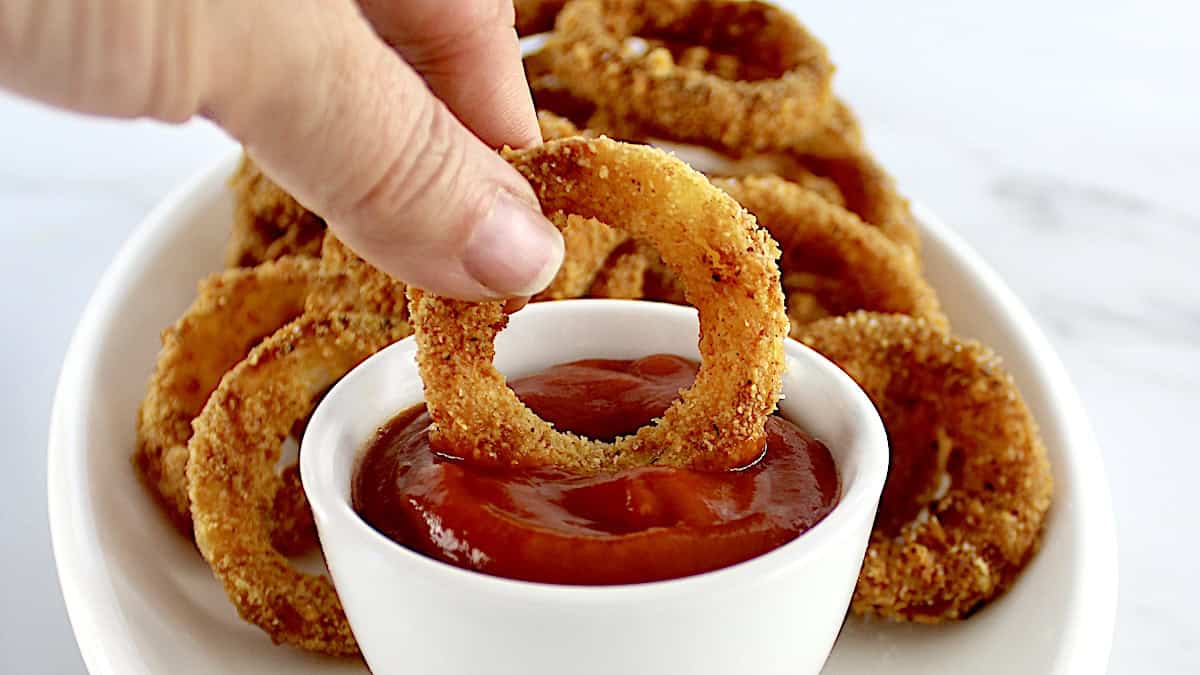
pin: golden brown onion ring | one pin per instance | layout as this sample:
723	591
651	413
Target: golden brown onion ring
587	243
727	265
623	276
232	312
349	284
232	481
970	484
554	127
870	193
847	265
268	223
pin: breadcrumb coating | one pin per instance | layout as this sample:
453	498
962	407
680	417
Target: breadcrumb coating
232	480
232	312
268	223
788	99
970	483
840	263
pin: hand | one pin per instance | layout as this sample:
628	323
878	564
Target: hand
379	115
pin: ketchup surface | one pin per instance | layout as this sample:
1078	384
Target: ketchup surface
630	526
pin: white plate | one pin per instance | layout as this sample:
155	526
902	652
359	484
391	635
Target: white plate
142	601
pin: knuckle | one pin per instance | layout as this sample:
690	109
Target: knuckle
424	185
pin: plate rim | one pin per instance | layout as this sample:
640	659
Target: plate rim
91	600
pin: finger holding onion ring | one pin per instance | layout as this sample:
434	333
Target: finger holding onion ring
727	266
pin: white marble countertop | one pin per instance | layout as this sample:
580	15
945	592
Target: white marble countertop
1061	139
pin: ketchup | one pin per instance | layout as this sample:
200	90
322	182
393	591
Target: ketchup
630	526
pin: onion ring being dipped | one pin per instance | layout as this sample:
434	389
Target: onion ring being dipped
268	223
781	97
970	483
232	312
846	264
619	278
727	265
232	480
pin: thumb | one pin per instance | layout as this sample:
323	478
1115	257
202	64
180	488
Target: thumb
341	122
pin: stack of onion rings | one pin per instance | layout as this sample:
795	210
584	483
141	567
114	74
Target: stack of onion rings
682	88
741	81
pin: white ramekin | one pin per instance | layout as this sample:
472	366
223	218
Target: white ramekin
777	613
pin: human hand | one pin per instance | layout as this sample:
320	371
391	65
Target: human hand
379	115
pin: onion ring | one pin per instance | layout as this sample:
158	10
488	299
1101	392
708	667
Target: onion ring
848	264
232	481
623	275
870	193
788	100
233	311
550	95
953	415
587	243
554	126
727	265
765	166
268	223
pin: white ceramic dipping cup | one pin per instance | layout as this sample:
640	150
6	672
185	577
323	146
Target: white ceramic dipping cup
777	613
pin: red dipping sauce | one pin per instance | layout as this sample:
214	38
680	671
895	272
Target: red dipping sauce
630	526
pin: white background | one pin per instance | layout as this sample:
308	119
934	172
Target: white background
1062	139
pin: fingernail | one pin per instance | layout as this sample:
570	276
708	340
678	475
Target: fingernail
515	250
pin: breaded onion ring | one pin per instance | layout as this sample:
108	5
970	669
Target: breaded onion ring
727	265
822	186
846	264
781	97
619	278
970	483
554	127
347	283
268	223
838	136
232	312
550	95
587	243
623	275
232	480
536	16
870	193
